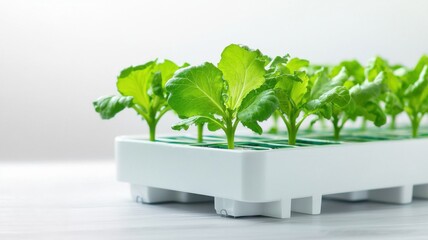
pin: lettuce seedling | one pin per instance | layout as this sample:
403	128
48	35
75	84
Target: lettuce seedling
142	88
416	95
223	96
364	102
394	84
300	98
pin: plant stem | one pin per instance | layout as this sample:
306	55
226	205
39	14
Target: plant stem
393	124
323	123
152	129
292	128
230	140
274	128
230	132
200	133
336	128
415	120
292	134
364	124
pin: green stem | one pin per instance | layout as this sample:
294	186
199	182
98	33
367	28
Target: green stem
364	124
200	133
415	120
230	131
292	128
162	112
337	128
292	134
152	129
323	123
230	135
230	140
393	125
274	128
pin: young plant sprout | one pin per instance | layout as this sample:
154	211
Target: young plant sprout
298	99
416	95
224	96
363	102
141	88
356	74
393	96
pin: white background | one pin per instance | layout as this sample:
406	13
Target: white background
56	57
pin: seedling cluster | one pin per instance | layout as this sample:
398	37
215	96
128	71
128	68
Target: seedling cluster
247	87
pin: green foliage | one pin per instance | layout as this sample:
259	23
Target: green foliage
109	106
364	102
416	96
224	96
298	98
354	70
143	89
248	87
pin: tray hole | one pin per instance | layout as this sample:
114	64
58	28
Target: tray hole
265	145
301	142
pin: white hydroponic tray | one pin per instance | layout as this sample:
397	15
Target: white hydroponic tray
273	182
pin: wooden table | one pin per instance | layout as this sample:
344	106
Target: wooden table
82	200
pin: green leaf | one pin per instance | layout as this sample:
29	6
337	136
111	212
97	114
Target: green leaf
416	95
365	101
135	82
324	83
243	70
378	65
423	61
338	97
109	106
157	87
279	60
328	93
186	123
256	107
196	91
368	91
167	68
353	68
286	104
295	64
295	86
393	104
197	120
373	112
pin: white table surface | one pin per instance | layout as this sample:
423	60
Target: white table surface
82	200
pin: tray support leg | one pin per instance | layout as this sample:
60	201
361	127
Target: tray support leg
420	191
144	194
233	208
308	205
397	195
350	196
276	209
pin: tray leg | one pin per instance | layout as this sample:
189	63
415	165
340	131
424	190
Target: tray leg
233	208
308	205
420	191
350	196
398	195
276	209
144	194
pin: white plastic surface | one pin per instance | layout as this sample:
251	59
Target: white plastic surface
274	182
